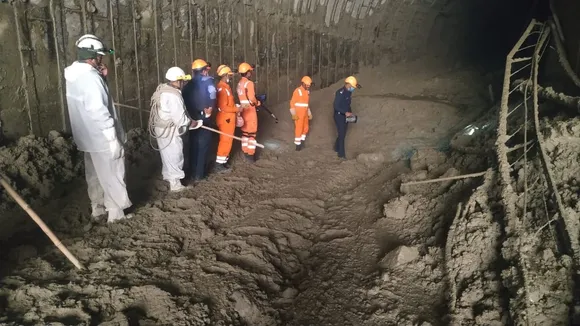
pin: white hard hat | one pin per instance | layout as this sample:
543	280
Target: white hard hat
175	74
92	43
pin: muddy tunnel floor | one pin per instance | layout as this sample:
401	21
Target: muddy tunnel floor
298	238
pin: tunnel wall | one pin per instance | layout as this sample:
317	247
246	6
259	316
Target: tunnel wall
285	38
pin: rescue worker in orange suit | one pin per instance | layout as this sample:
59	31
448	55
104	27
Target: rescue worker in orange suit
225	118
300	111
247	96
342	110
199	96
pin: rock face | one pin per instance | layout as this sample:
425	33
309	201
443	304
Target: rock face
398	257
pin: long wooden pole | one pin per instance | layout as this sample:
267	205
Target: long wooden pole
465	176
40	223
228	135
204	127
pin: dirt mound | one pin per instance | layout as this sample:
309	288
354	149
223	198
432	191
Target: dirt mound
40	170
49	174
36	167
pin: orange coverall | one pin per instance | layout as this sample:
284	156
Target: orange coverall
226	121
248	101
299	107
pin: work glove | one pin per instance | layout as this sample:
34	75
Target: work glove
310	117
239	107
114	145
294	117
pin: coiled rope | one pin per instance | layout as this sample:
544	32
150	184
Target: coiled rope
155	121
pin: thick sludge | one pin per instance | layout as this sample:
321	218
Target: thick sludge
296	239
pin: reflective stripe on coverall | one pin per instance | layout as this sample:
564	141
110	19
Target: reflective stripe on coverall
249	113
91	114
171	108
299	107
226	121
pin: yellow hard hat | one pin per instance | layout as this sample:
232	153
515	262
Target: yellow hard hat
198	64
245	67
306	80
351	80
224	70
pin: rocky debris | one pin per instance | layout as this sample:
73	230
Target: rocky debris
399	257
427	159
289	293
396	208
370	159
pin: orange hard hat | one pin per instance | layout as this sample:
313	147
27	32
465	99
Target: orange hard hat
198	64
306	80
245	67
351	80
224	70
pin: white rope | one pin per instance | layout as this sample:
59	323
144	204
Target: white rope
155	121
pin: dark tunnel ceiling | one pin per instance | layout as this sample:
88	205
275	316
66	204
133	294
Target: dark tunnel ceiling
459	29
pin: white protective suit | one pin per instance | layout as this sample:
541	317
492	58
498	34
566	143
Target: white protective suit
98	132
168	115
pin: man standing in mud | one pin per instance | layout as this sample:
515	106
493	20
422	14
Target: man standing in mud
96	129
342	111
199	97
168	121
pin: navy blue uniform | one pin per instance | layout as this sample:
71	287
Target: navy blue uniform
342	100
198	94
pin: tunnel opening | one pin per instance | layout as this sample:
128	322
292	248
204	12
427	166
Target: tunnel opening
496	26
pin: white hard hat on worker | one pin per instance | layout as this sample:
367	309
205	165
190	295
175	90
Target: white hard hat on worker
177	77
91	50
175	74
92	44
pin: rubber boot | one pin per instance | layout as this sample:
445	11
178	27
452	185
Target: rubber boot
98	210
117	214
249	158
298	148
196	180
175	185
221	168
